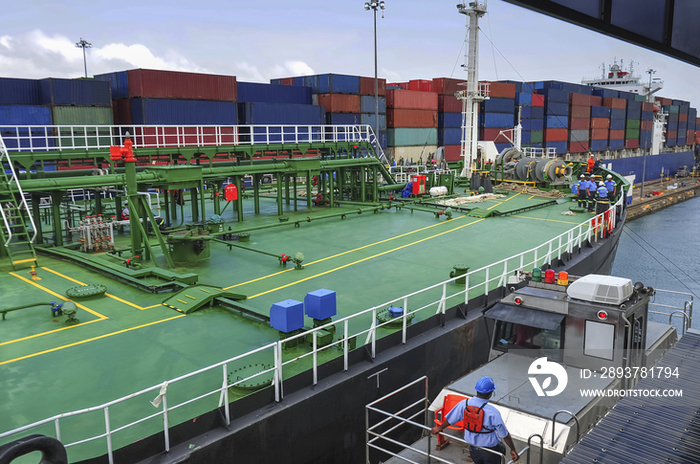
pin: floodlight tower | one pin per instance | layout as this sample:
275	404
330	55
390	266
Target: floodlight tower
84	44
374	5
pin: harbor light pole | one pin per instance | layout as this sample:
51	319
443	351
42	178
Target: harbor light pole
374	5
84	44
651	72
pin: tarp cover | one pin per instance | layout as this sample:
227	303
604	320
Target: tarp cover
525	316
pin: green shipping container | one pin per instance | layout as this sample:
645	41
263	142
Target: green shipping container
631	133
671	109
405	137
640	98
632	124
83	116
536	137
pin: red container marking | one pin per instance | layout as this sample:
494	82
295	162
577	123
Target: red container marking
502	90
619	103
616	135
577	111
596	100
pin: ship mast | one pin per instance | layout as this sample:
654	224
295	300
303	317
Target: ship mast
474	93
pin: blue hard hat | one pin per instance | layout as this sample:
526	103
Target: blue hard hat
485	385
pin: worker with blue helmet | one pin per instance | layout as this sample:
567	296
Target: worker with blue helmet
483	425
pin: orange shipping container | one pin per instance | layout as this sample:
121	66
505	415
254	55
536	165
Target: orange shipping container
556	135
579	99
683	117
578	111
600	123
647	106
599	134
596	100
647	125
579	123
397	117
616	135
502	90
412	100
671	134
452	152
618	103
339	103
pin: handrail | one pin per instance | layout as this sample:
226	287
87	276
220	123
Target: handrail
23	201
495	275
686	311
554	423
685	320
529	439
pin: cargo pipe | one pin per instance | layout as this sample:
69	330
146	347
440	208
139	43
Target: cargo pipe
38	185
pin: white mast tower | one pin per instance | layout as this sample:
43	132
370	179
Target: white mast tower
475	92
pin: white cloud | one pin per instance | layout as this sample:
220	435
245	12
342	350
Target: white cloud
298	68
249	73
56	44
5	41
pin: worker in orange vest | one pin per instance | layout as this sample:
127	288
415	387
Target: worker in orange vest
591	164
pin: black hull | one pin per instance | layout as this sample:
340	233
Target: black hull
326	423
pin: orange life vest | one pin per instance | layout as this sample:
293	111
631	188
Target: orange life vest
474	419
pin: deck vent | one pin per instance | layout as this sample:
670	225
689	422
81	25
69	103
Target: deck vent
601	289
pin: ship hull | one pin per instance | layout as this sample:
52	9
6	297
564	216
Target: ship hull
325	423
665	164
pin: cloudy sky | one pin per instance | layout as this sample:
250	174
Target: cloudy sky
264	39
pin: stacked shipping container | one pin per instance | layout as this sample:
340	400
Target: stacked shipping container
449	116
412	124
496	114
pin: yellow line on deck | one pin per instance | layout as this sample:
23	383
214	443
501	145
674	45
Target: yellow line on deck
363	259
519	193
50	332
88	340
346	252
544	219
21	261
95	313
531	197
491	207
133	305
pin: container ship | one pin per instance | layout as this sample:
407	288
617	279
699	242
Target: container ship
197	269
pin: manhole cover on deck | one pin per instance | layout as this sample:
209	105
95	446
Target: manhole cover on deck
86	291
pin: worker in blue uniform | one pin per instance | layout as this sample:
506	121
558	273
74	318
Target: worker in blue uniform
611	186
591	188
582	192
574	190
478	415
602	198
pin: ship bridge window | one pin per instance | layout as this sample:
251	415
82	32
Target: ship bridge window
541	342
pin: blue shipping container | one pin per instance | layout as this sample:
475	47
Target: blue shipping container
498	105
338	83
671	142
617	113
560	147
449	136
344	119
167	111
526	123
537	124
308	81
25	115
617	144
634	104
599	145
682	126
449	119
368	118
648	116
523	98
496	120
78	92
617	124
556	122
19	91
119	83
279	113
368	104
555	95
600	112
537	112
634	114
557	109
673	126
271	93
525	136
300	81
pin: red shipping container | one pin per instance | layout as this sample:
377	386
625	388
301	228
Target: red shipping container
417	84
339	103
452	152
397	117
683	117
448	86
664	101
579	123
600	123
577	111
616	135
426	86
181	85
631	143
697	122
492	134
646	125
287	81
647	106
578	147
449	104
556	135
502	90
579	99
596	100
619	103
367	86
538	100
412	100
600	134
689	136
121	110
672	134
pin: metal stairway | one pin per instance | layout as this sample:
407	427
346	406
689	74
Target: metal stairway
15	237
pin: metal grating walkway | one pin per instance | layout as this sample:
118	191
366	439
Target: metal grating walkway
652	430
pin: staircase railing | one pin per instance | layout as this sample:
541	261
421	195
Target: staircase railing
5	159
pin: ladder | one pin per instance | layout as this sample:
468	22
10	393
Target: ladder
14	236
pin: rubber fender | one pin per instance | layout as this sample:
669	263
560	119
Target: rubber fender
52	450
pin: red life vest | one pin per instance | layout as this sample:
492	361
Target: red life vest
474	419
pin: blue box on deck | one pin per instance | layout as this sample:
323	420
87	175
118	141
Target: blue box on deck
287	316
320	304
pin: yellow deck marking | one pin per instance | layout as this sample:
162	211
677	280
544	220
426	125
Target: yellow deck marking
519	193
133	305
205	291
182	301
346	252
95	313
531	197
153	306
363	259
544	219
24	261
491	207
50	332
190	297
88	340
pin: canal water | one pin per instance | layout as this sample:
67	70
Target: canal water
662	250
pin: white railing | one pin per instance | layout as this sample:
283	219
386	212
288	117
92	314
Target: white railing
435	299
402	174
13	179
51	138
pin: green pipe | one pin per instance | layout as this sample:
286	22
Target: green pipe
246	248
85	181
384	188
30	305
308	219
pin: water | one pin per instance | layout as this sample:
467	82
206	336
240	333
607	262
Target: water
661	251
